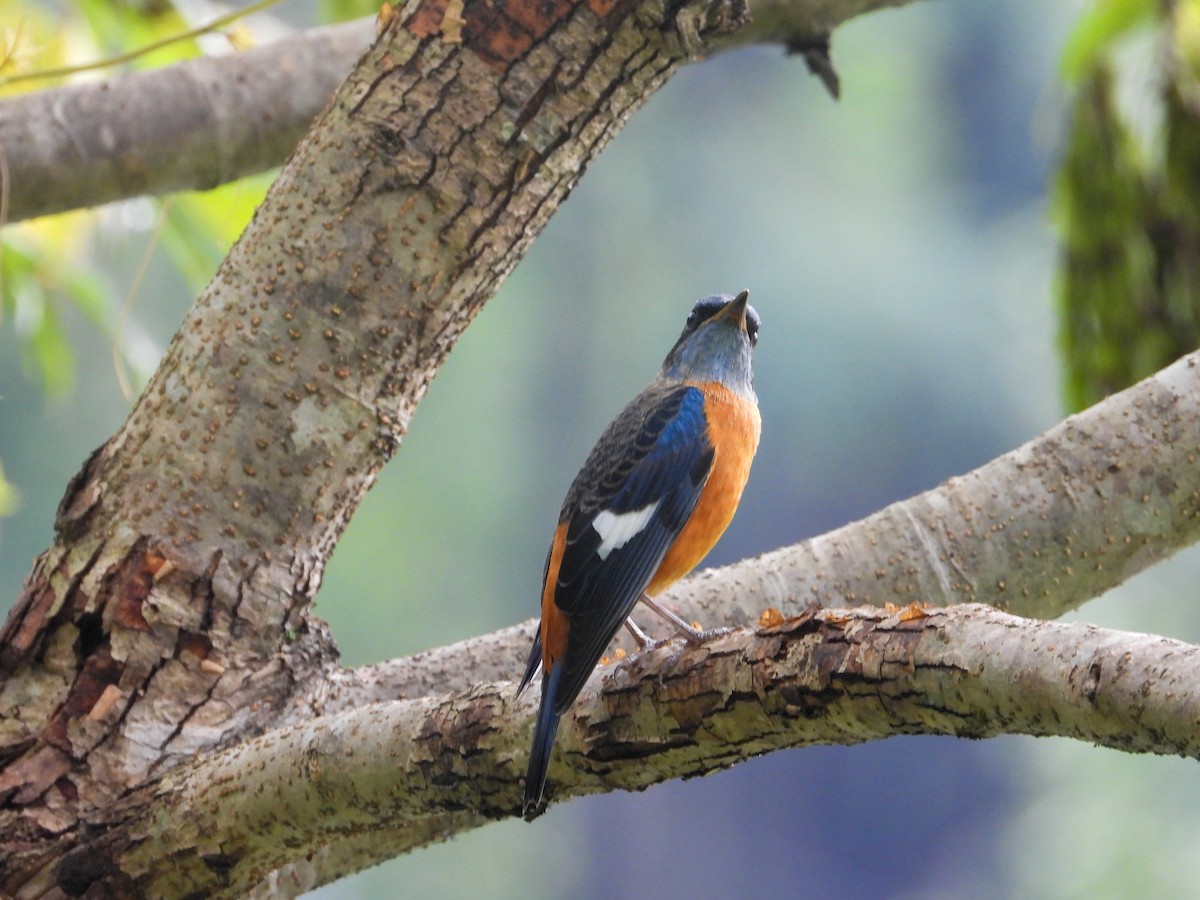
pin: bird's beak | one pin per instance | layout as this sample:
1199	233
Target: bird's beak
735	310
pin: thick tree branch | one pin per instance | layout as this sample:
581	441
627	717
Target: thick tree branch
204	122
423	768
189	126
1039	531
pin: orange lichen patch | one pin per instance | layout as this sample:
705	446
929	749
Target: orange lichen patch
37	603
770	617
108	699
128	609
100	672
132	580
158	566
426	18
497	34
608	10
913	611
499	31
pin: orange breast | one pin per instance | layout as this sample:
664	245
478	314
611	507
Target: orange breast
733	428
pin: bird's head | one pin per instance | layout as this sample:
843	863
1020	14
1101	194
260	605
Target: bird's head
717	344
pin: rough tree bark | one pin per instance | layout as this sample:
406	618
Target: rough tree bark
161	652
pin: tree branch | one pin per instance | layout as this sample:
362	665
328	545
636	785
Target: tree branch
1038	531
419	770
189	126
201	123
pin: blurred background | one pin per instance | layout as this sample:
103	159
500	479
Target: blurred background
898	246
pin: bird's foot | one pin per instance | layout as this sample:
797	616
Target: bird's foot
687	631
643	640
692	636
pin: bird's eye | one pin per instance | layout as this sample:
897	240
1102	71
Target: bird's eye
752	324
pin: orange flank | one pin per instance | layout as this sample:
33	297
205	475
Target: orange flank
733	430
554	623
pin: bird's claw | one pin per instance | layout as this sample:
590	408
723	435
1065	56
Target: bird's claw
699	637
689	640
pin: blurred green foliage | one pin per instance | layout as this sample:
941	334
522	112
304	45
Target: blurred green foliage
8	496
1099	26
37	277
119	27
49	265
1129	203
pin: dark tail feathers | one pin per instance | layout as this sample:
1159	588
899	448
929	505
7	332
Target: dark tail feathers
543	744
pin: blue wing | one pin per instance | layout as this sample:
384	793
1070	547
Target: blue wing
656	453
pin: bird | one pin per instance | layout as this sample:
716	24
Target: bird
653	497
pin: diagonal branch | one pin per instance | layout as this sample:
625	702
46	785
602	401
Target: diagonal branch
419	770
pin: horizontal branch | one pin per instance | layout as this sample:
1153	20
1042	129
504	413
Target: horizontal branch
190	126
205	122
419	770
1038	531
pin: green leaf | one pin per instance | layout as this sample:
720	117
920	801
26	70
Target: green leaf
120	27
1098	28
50	353
201	227
43	346
341	10
9	497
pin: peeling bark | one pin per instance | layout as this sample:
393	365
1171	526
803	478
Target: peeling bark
419	769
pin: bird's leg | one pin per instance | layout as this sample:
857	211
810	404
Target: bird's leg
643	640
693	635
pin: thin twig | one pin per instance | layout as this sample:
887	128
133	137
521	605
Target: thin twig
135	287
131	55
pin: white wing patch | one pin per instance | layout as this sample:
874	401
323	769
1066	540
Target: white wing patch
618	530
